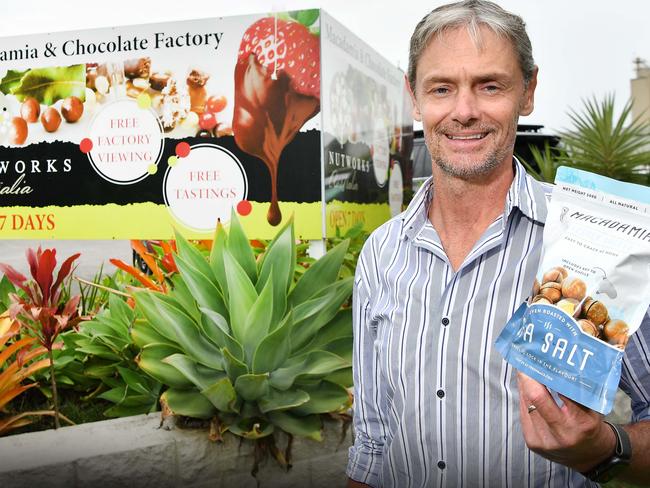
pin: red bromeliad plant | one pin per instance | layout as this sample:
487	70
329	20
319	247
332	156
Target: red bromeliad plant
40	309
18	361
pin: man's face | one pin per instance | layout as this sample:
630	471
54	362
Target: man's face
469	99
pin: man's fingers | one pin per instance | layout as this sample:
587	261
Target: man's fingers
536	394
574	408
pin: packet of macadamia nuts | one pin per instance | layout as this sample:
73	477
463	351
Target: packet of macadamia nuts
591	292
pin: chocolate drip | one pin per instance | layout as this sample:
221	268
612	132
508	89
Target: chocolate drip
267	115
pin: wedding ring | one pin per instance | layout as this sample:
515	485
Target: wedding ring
531	408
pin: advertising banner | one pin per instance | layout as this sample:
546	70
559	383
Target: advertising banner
367	132
130	132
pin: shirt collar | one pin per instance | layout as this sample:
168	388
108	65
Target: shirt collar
525	194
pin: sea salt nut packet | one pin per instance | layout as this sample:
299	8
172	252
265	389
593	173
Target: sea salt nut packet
591	292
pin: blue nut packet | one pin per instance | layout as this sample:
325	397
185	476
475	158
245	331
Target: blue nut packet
591	292
547	344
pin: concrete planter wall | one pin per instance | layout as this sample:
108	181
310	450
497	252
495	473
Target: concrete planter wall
134	452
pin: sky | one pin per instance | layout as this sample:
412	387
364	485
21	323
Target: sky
583	48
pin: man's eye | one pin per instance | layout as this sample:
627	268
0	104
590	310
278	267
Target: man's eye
491	88
440	90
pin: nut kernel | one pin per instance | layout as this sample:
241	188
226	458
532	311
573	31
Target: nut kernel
595	311
30	110
615	332
588	327
51	119
556	274
541	300
536	287
72	109
18	131
569	305
552	291
574	288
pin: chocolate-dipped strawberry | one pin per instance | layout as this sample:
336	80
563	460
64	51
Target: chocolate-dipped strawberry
277	89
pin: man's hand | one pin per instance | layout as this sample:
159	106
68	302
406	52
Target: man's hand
572	435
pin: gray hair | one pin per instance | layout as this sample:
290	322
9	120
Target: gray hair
472	14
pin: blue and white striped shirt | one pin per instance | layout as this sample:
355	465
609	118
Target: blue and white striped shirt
435	403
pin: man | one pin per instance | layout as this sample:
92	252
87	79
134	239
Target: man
435	404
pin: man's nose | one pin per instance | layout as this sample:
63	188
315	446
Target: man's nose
466	109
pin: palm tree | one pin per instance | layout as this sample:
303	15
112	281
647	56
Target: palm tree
545	162
602	143
599	142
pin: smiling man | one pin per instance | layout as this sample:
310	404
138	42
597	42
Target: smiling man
435	404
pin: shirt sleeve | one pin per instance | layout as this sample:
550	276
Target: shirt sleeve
635	376
365	455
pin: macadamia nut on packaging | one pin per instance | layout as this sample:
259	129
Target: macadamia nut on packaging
592	289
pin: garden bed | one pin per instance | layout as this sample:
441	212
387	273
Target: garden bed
137	452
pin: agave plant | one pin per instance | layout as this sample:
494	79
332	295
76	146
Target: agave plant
239	342
110	354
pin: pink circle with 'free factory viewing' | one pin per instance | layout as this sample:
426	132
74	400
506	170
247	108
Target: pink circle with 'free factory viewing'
182	149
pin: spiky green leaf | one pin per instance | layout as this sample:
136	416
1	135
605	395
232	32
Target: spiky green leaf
312	363
193	257
242	296
216	260
323	397
201	287
234	367
143	334
313	314
240	248
252	386
150	361
216	329
120	311
341	377
135	381
278	264
319	275
189	403
222	395
282	400
274	349
258	321
309	426
189	368
338	328
174	324
184	297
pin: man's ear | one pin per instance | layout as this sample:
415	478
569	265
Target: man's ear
414	104
528	102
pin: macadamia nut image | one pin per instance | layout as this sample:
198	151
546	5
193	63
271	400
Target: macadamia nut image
552	291
574	288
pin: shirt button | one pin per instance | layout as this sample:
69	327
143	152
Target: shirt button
442	464
440	393
445	321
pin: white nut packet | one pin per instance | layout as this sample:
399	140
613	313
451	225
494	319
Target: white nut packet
592	289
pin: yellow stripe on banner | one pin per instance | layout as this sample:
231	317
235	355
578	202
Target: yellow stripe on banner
345	214
142	221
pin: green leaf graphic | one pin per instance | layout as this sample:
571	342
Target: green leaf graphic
11	80
47	85
305	17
